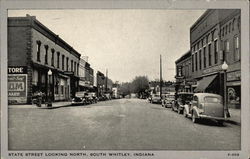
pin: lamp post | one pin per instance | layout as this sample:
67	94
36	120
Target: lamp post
49	102
224	67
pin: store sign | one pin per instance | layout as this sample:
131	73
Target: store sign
179	72
212	69
17	88
17	70
234	76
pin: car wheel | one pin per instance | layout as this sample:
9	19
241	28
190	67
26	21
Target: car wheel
185	113
221	123
194	119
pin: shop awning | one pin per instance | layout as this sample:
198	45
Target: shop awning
204	83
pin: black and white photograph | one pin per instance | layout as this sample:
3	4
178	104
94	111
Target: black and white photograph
125	82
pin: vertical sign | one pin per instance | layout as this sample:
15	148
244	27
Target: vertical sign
179	71
17	84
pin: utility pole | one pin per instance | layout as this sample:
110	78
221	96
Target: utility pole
106	84
160	78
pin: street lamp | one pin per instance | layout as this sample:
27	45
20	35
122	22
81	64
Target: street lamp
224	67
49	102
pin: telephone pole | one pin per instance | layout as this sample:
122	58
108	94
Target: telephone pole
160	78
106	82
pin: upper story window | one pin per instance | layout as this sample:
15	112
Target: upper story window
209	55
236	49
75	68
52	57
67	64
196	62
227	46
216	52
46	54
62	62
72	66
204	57
58	59
200	59
38	50
192	63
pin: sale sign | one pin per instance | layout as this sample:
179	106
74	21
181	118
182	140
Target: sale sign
17	88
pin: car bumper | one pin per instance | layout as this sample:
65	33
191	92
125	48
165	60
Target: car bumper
211	117
74	102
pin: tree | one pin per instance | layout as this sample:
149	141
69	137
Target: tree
140	84
125	88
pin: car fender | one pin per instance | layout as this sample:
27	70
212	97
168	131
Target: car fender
186	108
195	111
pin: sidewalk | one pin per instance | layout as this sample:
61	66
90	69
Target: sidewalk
54	105
235	116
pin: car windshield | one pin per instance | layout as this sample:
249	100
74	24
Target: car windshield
157	95
212	100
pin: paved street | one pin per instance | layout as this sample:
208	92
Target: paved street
116	124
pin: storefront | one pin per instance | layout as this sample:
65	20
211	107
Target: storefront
17	85
234	89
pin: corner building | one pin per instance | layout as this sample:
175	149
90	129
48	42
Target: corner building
214	39
36	49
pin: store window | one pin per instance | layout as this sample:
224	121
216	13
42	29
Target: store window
236	49
38	50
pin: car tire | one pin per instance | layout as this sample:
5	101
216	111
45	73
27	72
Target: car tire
220	123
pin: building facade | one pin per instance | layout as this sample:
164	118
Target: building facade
100	83
86	76
184	80
215	39
35	49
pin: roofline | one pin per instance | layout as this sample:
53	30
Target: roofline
36	23
179	59
200	18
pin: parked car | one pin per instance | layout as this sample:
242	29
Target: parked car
156	98
205	106
168	100
182	98
93	97
80	98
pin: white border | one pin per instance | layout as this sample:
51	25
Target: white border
136	4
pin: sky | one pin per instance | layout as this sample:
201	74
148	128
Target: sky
126	42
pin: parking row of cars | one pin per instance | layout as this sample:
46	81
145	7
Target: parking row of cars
196	106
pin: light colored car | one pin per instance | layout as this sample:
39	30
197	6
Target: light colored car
156	98
205	106
168	100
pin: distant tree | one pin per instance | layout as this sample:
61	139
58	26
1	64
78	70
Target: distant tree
125	88
140	84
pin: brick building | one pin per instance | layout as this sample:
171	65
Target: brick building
214	39
86	76
100	83
184	80
35	49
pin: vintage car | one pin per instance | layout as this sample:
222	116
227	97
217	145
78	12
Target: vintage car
168	100
182	98
80	98
156	98
205	105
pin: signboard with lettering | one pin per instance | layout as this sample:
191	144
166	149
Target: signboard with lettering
17	84
234	76
179	72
